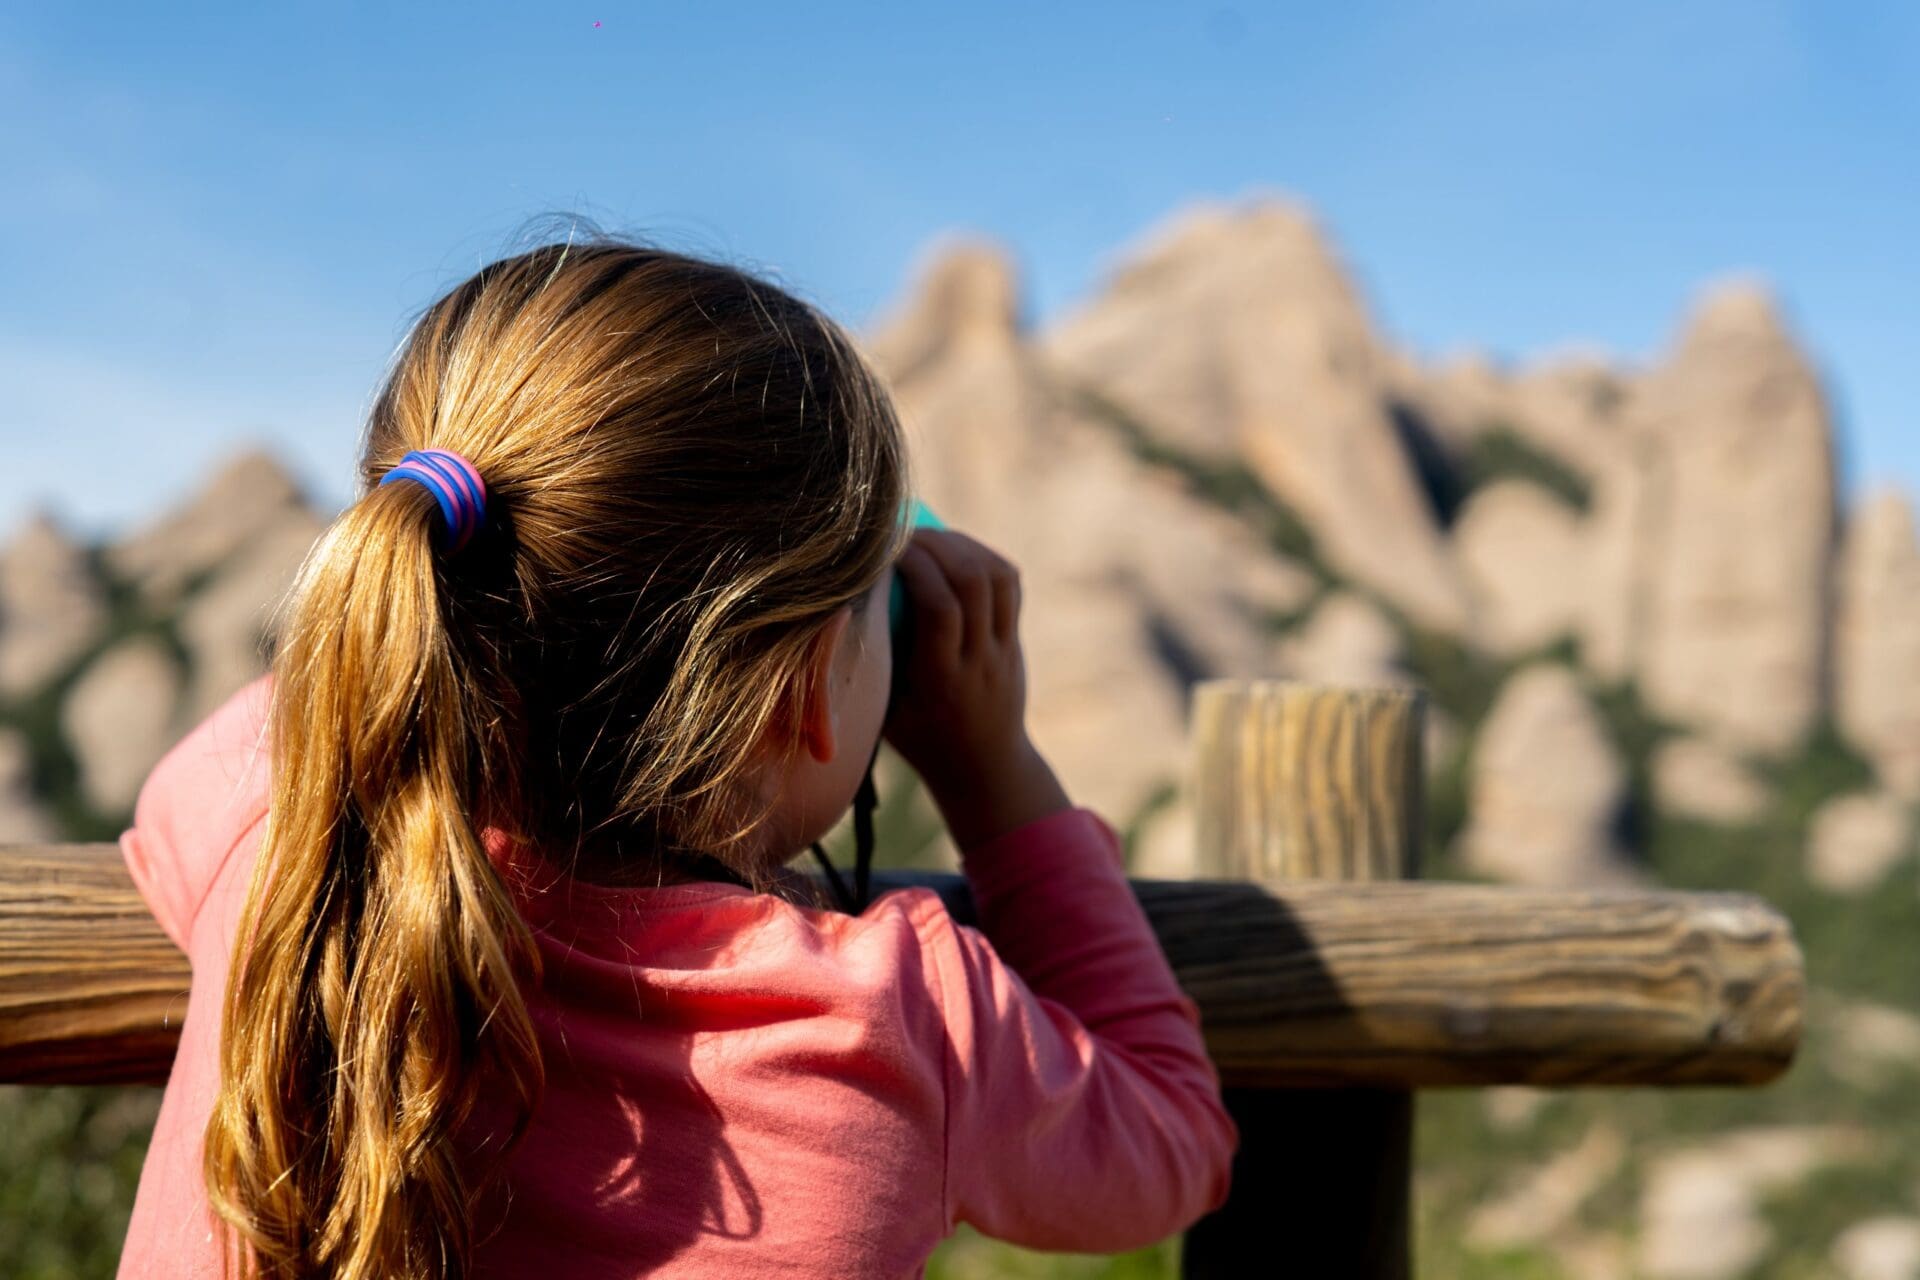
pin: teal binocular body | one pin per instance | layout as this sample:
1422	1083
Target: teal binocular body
899	614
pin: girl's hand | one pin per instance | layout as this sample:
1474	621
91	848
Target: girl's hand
960	719
962	704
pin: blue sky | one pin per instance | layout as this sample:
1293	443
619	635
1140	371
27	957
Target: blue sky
221	218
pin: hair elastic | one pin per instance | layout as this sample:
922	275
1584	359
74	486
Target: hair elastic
454	483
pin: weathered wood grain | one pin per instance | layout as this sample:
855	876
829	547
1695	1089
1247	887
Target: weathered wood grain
1300	782
1415	985
1296	783
1396	985
91	990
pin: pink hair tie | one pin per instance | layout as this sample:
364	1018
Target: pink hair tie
456	486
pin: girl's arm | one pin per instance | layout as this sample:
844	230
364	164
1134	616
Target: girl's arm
1083	1111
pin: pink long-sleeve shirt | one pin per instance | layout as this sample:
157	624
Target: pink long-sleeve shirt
737	1085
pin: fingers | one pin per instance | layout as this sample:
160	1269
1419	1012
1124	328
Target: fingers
1006	604
975	589
984	583
936	608
965	599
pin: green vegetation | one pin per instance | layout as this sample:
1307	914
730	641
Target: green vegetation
55	771
1864	947
906	823
69	1162
1635	732
1856	948
1228	484
1131	829
69	1157
1501	453
1824	767
968	1255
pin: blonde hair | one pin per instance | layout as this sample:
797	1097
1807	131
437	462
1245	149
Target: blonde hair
689	471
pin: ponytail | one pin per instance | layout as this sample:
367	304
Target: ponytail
694	471
375	974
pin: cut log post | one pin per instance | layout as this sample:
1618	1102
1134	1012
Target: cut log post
1295	782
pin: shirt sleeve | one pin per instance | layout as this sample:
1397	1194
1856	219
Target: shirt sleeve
203	797
1083	1112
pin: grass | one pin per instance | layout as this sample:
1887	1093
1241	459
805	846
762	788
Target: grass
69	1163
968	1255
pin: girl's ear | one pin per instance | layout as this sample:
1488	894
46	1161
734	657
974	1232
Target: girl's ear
815	706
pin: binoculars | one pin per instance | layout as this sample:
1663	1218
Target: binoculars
899	615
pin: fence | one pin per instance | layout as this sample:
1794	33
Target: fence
1331	983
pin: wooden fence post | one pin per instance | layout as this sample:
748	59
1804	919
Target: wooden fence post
1294	782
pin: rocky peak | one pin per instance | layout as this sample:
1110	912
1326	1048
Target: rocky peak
1547	786
255	471
1261	271
1738	313
249	493
1741	457
1473	373
1734	354
1232	333
50	607
1261	245
40	541
967	293
1880	534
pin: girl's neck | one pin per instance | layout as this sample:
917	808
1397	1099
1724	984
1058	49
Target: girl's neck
650	873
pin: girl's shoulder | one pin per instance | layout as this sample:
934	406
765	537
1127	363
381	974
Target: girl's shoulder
898	955
206	795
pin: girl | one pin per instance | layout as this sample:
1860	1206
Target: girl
497	971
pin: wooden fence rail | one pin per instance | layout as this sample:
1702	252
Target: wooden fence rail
1331	982
1299	984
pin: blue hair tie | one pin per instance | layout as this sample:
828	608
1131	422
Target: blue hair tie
455	485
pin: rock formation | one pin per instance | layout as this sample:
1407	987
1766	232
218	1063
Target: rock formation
1547	787
1700	1207
1234	334
252	491
120	719
1699	778
975	412
1348	640
1458	399
1230	347
1853	840
1877	640
1737	607
1884	1247
51	608
227	623
1540	1205
1524	555
1568	407
1571	408
1869	1045
1677	523
1133	588
1625	526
